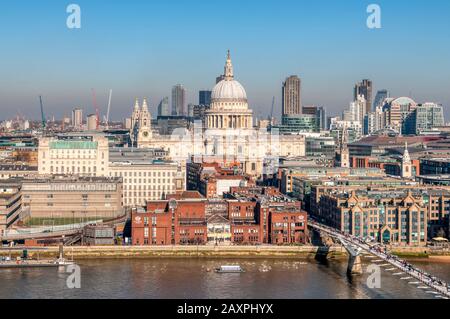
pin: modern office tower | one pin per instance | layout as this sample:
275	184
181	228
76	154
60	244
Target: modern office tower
364	88
357	110
373	121
352	128
294	124
291	100
204	97
397	111
318	112
424	118
163	107
178	100
379	98
77	118
319	145
322	117
91	122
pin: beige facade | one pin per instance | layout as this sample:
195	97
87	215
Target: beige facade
73	197
10	204
83	155
148	181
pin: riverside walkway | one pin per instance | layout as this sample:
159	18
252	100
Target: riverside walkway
441	287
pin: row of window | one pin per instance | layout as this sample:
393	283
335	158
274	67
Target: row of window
79	163
74	170
143	174
238	231
147	181
148	187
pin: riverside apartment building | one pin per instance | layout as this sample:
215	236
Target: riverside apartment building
250	216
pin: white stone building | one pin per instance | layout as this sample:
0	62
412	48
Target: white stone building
74	154
144	180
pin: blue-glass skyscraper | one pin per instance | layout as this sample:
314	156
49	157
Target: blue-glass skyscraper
204	97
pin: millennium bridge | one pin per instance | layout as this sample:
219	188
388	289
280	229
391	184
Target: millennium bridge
356	247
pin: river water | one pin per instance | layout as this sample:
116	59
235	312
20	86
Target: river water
194	278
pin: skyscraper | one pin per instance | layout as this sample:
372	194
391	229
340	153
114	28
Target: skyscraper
291	101
179	100
379	98
358	109
204	98
77	118
364	88
91	122
163	107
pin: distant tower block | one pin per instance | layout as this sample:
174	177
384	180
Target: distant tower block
92	122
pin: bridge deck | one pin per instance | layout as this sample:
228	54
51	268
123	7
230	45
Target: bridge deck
430	281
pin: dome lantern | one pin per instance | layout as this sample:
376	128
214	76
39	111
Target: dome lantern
228	74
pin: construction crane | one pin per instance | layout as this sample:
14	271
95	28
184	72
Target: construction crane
94	101
44	124
107	112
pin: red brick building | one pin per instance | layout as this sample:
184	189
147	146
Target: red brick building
213	179
287	226
171	221
390	166
246	234
280	219
253	215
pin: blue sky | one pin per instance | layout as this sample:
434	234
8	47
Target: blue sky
142	48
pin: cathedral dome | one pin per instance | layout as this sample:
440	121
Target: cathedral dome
229	107
229	94
228	90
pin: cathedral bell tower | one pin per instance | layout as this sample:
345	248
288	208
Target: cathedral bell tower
134	130
141	124
145	126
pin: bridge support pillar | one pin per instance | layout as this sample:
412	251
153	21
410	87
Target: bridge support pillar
354	265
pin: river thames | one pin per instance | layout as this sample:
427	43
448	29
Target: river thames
195	278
